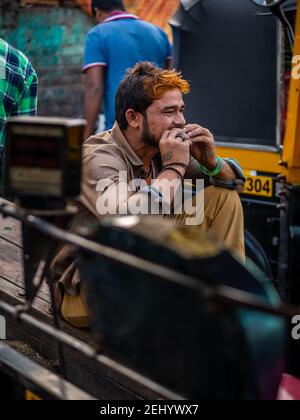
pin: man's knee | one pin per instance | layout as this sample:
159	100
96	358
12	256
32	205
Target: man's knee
225	216
217	196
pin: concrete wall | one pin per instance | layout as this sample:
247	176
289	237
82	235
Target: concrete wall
53	39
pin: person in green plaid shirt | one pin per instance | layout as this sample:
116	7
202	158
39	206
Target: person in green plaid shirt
18	87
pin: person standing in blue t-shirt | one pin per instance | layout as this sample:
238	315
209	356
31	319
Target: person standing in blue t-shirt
117	43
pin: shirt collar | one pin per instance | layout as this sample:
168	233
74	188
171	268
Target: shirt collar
119	15
118	137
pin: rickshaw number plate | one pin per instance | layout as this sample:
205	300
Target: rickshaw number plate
262	186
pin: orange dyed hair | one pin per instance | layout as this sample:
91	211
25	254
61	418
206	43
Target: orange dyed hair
158	82
144	84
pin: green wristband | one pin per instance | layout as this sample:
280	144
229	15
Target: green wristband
216	171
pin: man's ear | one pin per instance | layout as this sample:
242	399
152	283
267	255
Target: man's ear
133	118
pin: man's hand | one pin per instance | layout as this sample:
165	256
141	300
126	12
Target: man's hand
175	149
203	149
203	145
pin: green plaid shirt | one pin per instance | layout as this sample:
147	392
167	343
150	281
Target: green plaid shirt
18	86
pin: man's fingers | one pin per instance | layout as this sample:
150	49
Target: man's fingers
190	127
188	143
179	134
175	131
165	135
196	130
183	136
200	132
201	139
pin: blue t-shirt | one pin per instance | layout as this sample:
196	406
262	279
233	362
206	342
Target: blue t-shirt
118	44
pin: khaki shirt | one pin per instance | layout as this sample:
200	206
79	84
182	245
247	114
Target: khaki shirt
105	155
108	154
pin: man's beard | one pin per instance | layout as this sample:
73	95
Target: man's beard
148	138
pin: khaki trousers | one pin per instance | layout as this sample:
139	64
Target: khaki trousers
223	216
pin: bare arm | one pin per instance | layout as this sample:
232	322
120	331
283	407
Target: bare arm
94	88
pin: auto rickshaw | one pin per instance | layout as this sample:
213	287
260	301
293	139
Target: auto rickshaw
242	58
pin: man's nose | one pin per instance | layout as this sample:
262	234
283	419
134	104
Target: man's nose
179	120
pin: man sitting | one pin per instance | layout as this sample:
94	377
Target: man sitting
149	146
